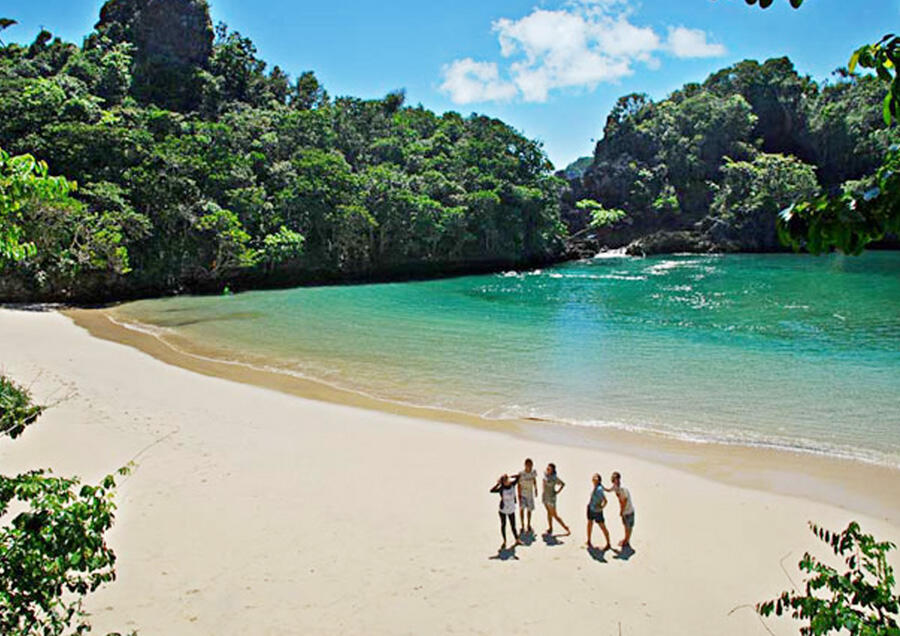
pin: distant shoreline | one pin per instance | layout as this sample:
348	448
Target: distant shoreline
425	272
850	483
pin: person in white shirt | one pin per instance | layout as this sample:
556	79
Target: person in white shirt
527	486
626	508
506	487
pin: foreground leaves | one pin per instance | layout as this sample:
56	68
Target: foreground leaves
850	221
53	548
54	553
16	409
860	600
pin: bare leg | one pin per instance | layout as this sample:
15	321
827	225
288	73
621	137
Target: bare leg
512	524
590	527
605	534
627	540
521	516
550	514
529	522
503	530
561	522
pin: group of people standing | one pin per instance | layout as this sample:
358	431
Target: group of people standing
523	489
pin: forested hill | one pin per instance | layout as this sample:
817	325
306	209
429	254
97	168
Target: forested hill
198	167
709	167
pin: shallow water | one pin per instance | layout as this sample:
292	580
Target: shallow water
782	350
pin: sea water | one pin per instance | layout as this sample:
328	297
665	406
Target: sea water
786	350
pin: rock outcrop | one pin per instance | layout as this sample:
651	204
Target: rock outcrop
173	42
178	32
672	243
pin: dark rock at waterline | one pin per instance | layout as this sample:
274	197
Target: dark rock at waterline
672	242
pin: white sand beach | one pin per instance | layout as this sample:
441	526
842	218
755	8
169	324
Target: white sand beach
253	511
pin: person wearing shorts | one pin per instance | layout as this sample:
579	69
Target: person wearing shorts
626	508
595	507
527	486
553	485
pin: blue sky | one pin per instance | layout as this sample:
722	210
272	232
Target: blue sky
552	69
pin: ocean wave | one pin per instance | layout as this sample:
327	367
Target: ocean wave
617	253
747	439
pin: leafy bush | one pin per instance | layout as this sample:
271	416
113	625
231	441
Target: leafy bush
54	552
16	409
862	600
24	180
600	216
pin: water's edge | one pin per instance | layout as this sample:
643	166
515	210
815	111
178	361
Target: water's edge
849	483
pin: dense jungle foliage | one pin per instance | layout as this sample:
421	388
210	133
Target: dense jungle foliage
187	165
720	159
196	167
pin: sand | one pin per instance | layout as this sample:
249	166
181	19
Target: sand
254	511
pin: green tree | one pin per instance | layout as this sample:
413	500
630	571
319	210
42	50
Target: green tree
24	182
53	552
860	600
198	168
852	220
600	216
16	409
750	194
281	246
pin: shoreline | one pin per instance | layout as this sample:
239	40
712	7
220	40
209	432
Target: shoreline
852	484
119	296
251	510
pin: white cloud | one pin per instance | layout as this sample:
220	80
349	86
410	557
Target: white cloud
685	42
563	49
579	46
468	81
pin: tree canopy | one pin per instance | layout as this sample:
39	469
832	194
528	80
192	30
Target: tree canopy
199	167
248	176
724	157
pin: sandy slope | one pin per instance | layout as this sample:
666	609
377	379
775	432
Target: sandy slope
256	512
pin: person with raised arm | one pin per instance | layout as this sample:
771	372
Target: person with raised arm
506	487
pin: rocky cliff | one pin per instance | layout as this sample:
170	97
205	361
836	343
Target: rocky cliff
172	40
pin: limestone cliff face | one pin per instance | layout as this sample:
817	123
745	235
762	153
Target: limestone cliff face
175	31
173	42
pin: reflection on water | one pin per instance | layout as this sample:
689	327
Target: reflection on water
185	322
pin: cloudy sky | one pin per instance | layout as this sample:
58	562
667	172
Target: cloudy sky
552	69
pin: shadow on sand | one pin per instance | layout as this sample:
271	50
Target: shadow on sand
625	553
505	554
597	554
527	538
552	539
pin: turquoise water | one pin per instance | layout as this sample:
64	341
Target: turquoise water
781	350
